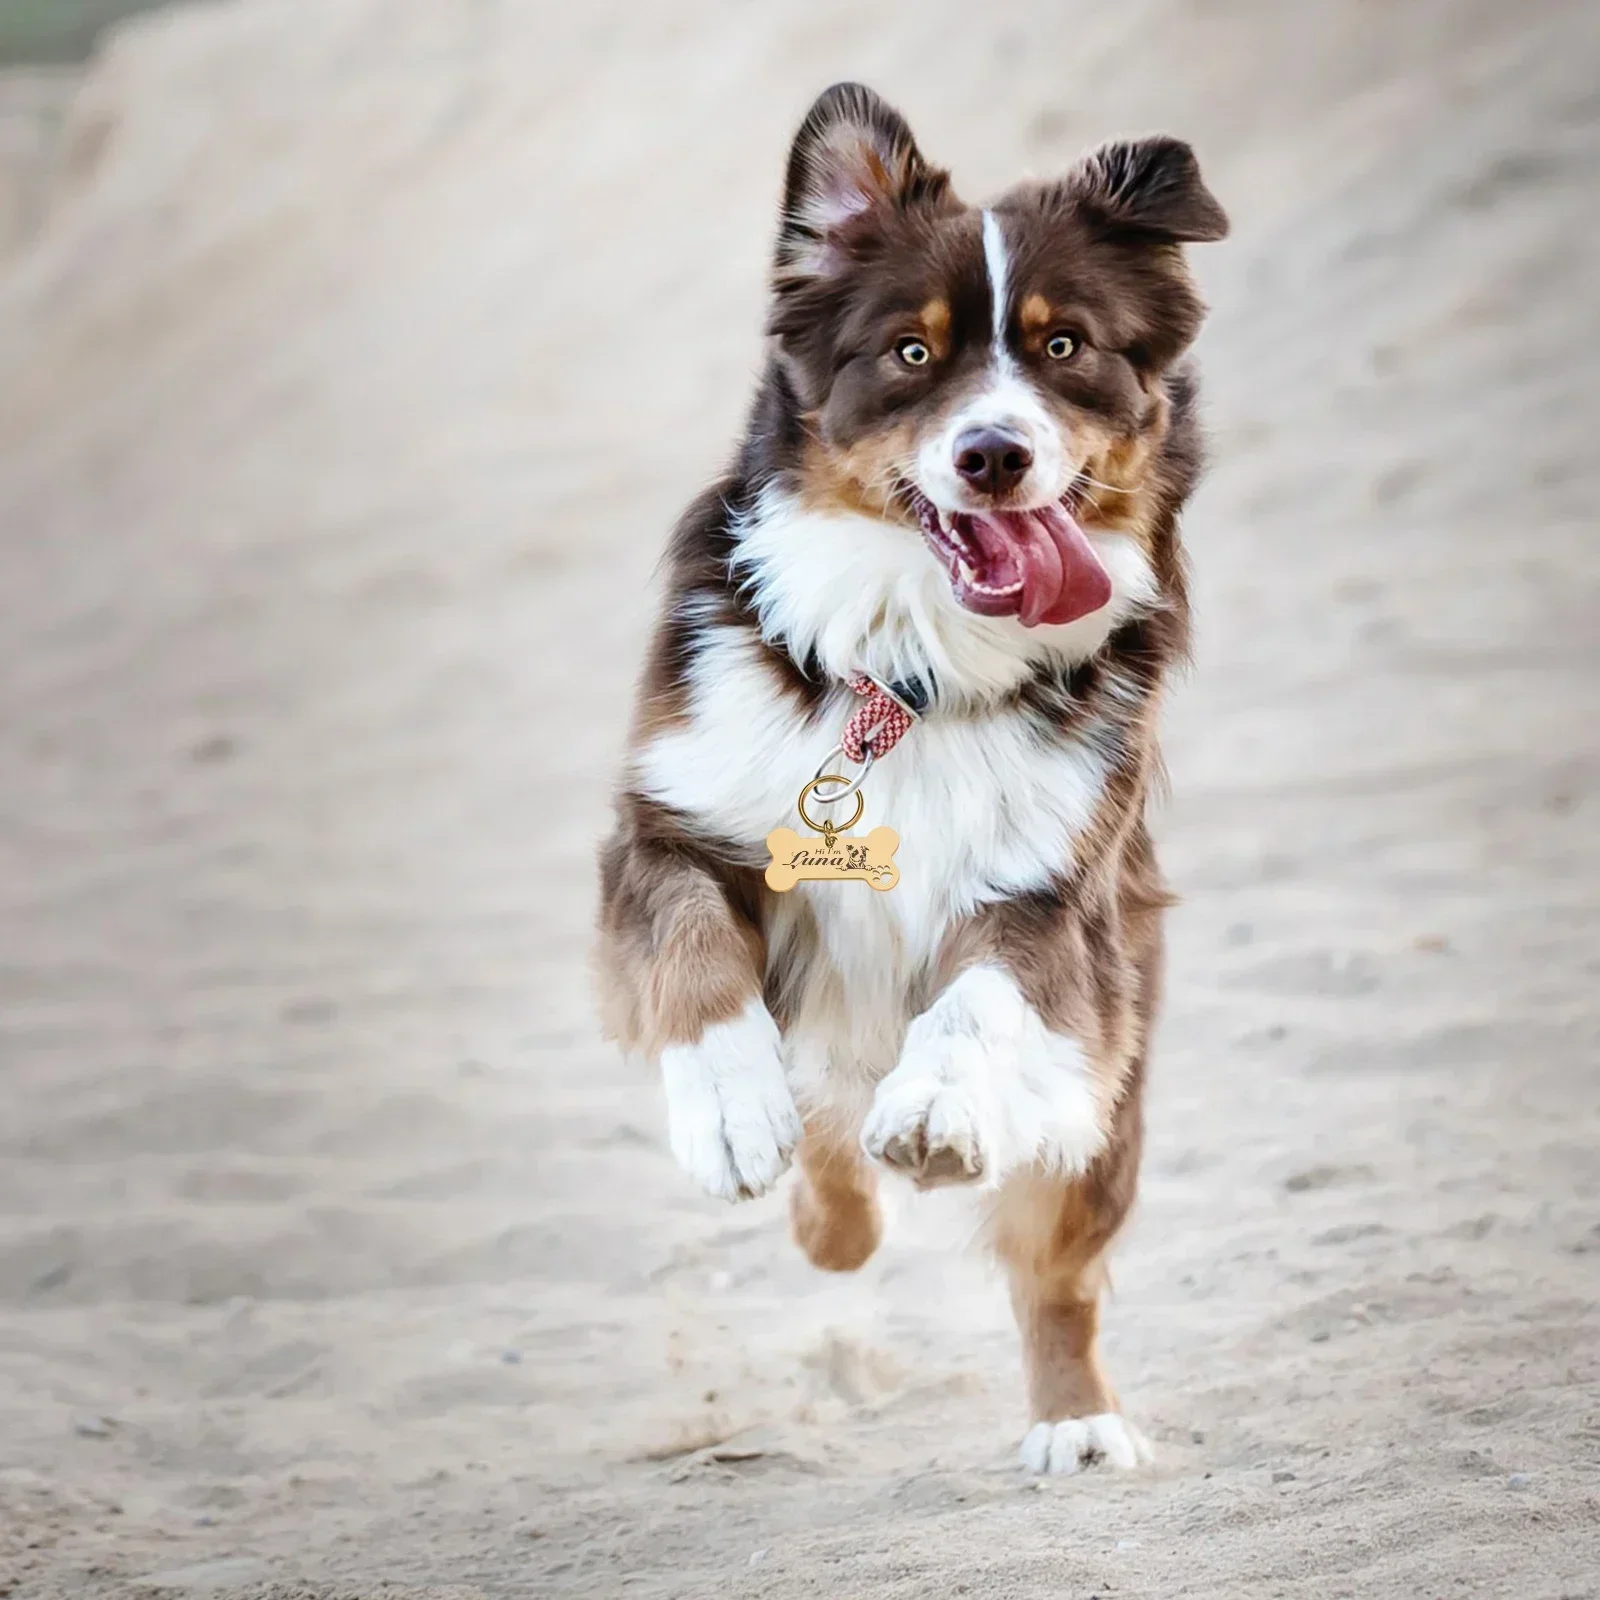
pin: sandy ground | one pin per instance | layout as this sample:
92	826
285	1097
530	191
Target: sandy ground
352	366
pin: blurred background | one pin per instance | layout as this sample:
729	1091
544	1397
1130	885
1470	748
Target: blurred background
355	358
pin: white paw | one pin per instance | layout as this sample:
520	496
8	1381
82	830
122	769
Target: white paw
731	1118
983	1088
930	1125
1066	1447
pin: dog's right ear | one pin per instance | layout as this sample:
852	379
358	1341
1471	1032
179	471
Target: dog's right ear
853	154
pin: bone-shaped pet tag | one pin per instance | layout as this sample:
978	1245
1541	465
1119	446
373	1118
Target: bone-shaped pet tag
830	854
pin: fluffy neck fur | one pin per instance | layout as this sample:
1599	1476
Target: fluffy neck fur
851	592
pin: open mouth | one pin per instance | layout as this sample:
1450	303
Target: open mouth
1037	566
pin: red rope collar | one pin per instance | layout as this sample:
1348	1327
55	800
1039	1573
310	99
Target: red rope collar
879	722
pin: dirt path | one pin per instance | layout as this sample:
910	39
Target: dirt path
364	358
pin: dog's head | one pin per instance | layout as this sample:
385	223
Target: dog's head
985	375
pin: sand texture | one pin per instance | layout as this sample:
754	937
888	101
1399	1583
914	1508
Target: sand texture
355	357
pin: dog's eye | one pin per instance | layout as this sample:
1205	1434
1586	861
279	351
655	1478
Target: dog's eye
913	352
1062	347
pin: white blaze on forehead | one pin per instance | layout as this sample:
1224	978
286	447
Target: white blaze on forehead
1007	398
994	256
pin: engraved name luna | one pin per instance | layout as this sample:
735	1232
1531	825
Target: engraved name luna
869	860
852	860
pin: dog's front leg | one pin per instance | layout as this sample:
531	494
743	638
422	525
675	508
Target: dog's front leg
680	967
731	1117
983	1088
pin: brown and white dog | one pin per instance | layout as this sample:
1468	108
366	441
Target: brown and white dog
962	475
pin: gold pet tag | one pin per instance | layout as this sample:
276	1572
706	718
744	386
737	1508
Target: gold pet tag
835	855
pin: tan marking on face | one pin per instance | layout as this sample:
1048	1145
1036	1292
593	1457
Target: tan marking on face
936	327
861	477
1125	495
1034	316
1117	500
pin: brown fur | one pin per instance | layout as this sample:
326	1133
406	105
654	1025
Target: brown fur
834	1204
680	944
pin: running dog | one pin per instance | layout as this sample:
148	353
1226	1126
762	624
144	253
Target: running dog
959	489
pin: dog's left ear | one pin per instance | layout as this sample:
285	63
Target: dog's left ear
853	155
1151	186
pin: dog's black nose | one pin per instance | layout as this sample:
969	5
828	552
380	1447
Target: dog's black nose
993	460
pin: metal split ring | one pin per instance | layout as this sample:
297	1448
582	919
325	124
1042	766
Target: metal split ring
848	786
830	827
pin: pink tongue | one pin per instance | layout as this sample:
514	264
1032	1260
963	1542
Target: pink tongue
1062	578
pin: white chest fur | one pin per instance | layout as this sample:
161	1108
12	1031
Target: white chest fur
984	809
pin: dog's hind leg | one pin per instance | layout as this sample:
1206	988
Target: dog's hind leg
834	1204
